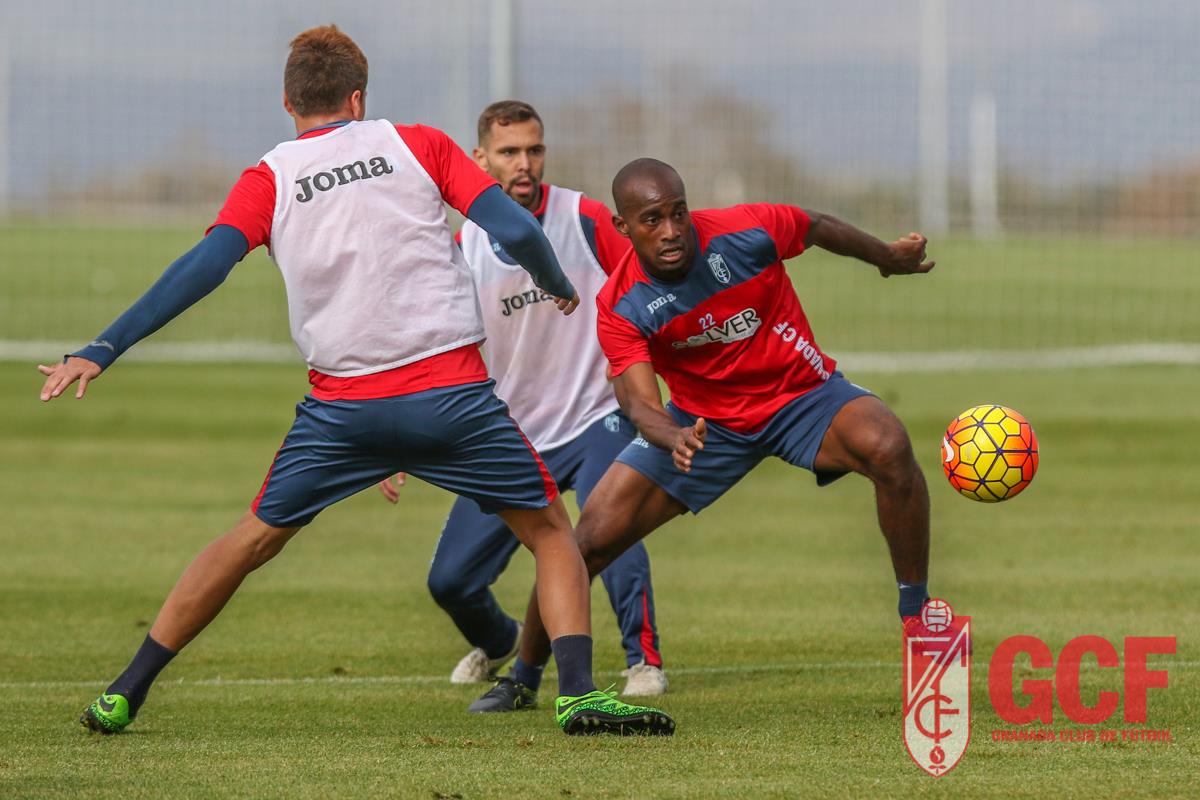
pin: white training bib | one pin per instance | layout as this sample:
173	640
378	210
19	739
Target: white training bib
374	279
548	368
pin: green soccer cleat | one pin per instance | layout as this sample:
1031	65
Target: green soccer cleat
601	712
108	713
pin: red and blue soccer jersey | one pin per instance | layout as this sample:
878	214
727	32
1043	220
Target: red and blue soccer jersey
730	339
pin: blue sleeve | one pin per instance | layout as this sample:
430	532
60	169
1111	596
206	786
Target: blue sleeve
183	284
589	232
522	238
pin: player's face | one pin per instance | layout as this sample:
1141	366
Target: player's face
515	155
660	228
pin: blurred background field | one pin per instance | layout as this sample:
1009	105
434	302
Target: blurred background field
1026	293
1050	151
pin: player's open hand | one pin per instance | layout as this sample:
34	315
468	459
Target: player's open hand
391	487
567	307
908	257
61	376
687	443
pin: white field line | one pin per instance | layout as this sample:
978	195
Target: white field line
162	352
351	680
1058	358
876	362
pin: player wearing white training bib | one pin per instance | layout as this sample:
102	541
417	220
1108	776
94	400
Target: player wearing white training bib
552	373
402	292
518	325
383	308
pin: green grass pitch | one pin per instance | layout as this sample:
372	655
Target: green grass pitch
66	284
326	674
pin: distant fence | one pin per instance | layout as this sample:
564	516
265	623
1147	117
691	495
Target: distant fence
1051	151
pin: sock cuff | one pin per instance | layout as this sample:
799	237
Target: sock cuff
569	638
161	649
912	597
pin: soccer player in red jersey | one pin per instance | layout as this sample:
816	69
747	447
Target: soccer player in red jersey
704	301
383	308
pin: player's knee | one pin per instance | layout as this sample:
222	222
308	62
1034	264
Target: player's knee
596	543
263	542
446	589
890	456
585	534
596	563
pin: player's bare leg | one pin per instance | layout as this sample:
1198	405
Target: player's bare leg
563	589
562	580
624	507
867	438
198	596
211	579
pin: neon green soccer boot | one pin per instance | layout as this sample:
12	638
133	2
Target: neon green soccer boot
108	713
601	712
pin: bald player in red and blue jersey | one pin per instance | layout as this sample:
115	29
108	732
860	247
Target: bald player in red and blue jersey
704	301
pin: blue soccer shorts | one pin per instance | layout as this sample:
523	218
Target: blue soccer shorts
794	434
460	438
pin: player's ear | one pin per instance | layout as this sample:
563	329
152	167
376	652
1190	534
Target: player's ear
620	225
481	159
287	105
358	104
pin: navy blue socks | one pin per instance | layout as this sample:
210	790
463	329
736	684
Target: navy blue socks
573	654
135	681
529	676
912	598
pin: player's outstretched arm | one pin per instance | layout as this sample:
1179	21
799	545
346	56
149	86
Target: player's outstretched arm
640	399
521	235
905	256
185	282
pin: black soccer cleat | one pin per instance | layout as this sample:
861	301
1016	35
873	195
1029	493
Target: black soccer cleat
506	695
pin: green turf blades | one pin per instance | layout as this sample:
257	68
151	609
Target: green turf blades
108	713
601	712
783	695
